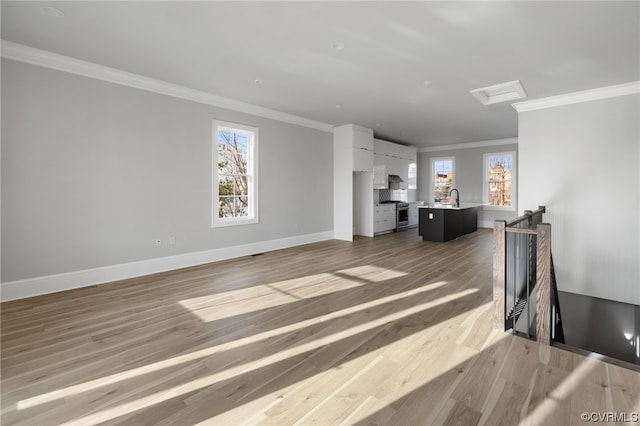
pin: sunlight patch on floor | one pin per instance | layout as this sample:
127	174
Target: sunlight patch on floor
197	355
344	385
247	300
544	411
372	273
235	371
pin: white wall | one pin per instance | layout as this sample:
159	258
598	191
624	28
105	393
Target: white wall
343	183
94	172
583	162
468	176
363	204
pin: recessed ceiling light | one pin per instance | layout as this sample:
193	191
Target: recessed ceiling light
499	93
426	82
258	81
338	106
52	11
337	46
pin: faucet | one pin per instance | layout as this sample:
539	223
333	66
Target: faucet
457	204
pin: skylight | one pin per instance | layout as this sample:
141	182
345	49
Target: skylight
502	92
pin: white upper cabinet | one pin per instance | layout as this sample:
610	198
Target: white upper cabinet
401	152
397	160
390	149
384	148
395	166
362	160
380	180
362	140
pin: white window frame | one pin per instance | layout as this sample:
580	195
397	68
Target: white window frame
432	187
412	175
252	174
485	181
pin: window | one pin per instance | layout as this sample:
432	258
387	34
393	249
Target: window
413	176
235	200
442	179
499	180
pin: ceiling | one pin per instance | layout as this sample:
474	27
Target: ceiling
404	69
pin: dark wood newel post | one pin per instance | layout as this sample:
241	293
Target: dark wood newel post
499	273
543	295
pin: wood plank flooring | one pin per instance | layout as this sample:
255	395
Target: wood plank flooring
388	331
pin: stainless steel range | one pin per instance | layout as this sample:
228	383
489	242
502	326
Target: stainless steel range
402	216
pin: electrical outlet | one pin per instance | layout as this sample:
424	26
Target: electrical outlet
172	241
158	242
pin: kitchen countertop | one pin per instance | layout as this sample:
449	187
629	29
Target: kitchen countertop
393	204
451	207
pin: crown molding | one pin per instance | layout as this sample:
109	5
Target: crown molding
466	145
43	58
631	88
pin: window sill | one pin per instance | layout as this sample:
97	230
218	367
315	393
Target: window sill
499	208
217	223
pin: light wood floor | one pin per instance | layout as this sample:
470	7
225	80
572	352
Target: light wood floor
391	330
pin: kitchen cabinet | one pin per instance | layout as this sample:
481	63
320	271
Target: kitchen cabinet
362	138
362	204
397	160
469	220
351	172
362	160
380	180
384	218
394	166
441	224
362	141
383	148
413	215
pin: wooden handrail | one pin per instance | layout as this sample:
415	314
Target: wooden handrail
522	231
526	216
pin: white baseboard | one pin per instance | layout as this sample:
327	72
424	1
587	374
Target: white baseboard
485	224
20	289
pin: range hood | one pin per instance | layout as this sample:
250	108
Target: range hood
395	181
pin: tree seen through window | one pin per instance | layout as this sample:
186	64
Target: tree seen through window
233	177
499	169
442	180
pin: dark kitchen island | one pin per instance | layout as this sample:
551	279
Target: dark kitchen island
441	223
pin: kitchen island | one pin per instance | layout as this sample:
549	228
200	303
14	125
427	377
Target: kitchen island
445	222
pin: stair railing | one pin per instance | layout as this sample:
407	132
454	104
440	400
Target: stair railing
522	264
